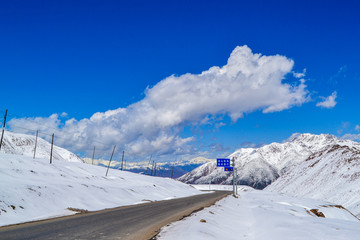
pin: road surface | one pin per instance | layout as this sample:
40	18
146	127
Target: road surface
135	222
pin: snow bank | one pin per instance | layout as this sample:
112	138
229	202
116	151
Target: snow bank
262	215
33	189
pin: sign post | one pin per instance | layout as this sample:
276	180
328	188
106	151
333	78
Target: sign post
225	162
236	184
233	165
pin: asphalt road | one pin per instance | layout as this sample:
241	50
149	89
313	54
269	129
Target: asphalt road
130	222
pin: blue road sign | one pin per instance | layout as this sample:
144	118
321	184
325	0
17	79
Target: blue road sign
229	169
223	162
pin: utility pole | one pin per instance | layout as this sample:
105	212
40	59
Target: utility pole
92	160
172	171
152	168
148	167
236	177
233	165
155	170
37	132
2	134
52	144
122	160
110	161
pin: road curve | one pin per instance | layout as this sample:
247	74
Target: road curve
134	222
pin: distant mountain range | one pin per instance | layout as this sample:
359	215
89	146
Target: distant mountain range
164	169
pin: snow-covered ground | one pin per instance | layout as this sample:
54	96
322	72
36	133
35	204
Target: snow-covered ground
263	215
211	187
32	189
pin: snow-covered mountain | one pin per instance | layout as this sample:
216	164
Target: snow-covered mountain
23	144
259	167
331	174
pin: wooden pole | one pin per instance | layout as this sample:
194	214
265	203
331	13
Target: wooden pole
110	161
155	170
122	160
148	167
92	161
152	169
52	144
236	184
37	132
233	165
2	134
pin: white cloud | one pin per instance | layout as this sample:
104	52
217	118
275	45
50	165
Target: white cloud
328	102
300	75
248	82
29	125
340	75
357	128
350	136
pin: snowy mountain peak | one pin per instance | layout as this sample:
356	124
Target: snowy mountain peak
200	160
312	138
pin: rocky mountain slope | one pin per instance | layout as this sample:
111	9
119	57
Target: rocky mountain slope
23	144
259	167
331	174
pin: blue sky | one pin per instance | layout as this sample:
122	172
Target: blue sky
84	57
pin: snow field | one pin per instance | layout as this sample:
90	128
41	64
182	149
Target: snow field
32	189
262	215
